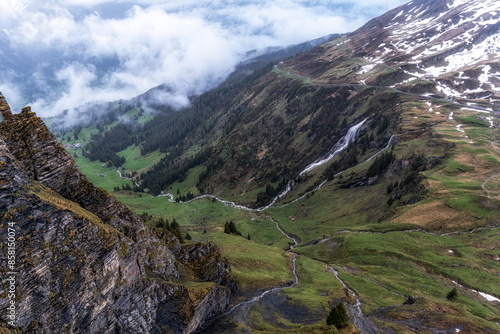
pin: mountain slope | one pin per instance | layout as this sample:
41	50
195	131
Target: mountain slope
382	180
453	43
308	102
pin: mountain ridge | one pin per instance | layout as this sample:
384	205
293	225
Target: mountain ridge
424	40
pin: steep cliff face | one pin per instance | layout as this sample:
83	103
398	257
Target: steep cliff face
85	262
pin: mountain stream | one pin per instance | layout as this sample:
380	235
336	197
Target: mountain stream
361	322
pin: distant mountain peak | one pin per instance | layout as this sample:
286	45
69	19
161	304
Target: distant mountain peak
455	43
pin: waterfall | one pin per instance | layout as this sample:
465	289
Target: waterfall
338	148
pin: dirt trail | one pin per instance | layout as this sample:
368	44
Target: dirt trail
486	182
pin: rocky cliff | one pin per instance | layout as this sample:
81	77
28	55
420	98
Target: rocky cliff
84	262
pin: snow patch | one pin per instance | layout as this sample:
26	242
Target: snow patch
344	42
398	15
366	68
448	91
489	298
490	119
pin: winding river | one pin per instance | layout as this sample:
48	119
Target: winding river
359	319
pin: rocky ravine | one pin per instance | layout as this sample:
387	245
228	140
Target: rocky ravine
85	262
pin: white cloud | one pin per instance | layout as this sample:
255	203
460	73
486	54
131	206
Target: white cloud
188	45
12	94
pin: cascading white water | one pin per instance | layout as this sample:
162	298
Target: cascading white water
389	143
289	186
339	147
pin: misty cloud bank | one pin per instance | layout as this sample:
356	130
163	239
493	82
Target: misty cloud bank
68	53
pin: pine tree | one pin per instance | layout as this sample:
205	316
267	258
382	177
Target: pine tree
188	236
232	227
179	236
160	223
175	225
338	316
452	295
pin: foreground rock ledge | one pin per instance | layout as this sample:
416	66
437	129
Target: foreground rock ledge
85	262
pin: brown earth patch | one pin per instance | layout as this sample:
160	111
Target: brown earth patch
262	151
431	213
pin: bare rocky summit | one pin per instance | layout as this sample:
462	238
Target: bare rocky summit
85	262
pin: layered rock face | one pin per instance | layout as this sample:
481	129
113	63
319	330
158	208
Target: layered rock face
85	263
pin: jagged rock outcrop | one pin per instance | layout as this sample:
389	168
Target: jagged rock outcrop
85	262
200	261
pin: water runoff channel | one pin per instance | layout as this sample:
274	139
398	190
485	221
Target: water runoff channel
273	299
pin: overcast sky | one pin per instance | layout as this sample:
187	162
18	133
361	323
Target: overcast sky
105	51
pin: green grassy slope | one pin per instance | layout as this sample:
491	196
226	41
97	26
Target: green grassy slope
387	235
